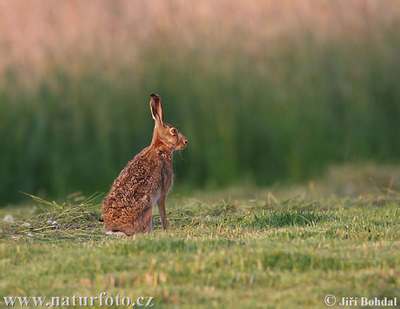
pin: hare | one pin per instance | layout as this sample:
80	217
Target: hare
145	181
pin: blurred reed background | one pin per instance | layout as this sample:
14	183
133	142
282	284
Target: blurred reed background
266	91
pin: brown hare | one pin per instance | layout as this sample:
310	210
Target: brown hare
144	181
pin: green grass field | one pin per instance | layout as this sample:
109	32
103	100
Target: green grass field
243	247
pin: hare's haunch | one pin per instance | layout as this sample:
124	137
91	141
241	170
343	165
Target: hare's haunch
144	181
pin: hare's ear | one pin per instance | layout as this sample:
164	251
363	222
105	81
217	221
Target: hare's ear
156	108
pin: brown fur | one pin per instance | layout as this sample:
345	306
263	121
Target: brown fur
144	181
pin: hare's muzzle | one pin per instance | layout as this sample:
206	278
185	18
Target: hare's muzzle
183	142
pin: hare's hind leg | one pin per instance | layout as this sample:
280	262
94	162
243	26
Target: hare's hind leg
147	220
143	217
142	224
122	230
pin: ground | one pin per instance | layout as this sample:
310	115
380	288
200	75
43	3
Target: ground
243	247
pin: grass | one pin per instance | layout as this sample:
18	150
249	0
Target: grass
243	247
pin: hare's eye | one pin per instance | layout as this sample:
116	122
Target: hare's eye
173	131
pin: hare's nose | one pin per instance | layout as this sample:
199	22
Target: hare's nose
185	141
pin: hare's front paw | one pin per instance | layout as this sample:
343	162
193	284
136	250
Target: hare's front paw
164	224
